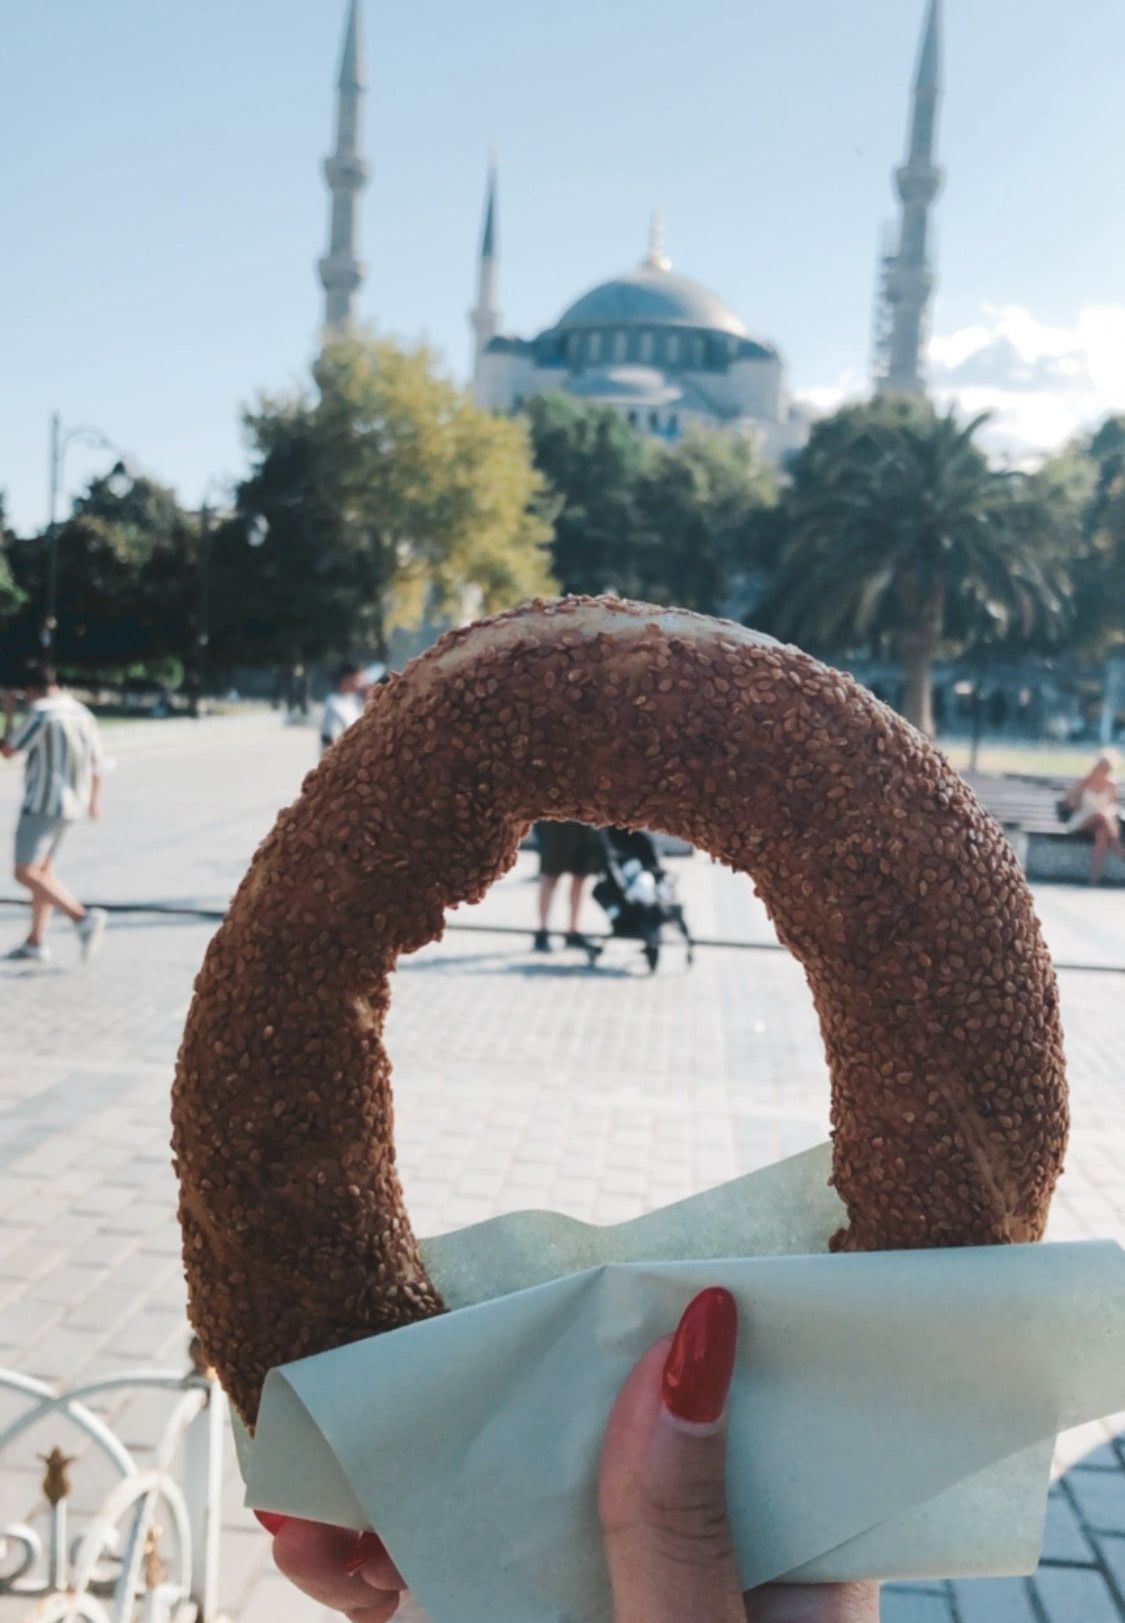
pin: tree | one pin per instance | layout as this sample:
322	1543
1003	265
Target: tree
11	596
125	573
898	530
592	461
703	502
1100	569
303	594
388	496
669	524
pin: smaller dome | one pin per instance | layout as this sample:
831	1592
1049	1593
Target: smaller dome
625	385
639	387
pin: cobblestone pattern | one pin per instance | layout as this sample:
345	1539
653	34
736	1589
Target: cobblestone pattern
600	1095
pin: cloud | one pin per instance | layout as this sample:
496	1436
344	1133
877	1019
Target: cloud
820	401
1042	383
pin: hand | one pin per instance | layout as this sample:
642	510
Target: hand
350	1572
662	1494
661	1498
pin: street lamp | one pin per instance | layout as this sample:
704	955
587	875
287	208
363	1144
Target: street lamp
61	441
213	488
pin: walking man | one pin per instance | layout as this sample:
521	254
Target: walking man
343	706
63	777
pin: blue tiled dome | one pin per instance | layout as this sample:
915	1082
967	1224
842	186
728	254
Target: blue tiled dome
649	297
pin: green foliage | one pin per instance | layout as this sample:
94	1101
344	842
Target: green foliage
11	595
898	531
124	561
388	496
1100	570
668	524
702	502
592	461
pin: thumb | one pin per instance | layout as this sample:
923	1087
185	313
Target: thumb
662	1491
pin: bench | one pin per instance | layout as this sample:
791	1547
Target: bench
1025	808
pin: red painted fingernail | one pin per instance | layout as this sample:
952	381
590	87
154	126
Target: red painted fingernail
271	1520
700	1362
366	1545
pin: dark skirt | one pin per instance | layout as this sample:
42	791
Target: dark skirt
569	848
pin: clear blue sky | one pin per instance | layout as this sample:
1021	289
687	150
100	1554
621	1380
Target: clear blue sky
164	206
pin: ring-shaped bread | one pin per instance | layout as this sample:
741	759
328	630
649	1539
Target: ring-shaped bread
899	895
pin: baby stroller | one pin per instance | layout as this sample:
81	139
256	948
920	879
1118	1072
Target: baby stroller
637	895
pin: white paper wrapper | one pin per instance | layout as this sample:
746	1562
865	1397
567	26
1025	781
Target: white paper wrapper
893	1415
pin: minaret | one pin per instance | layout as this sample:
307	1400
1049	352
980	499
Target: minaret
484	318
910	277
341	272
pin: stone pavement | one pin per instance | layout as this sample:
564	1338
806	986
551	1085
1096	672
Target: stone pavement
599	1094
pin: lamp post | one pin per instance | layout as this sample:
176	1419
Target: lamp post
61	441
202	610
978	705
212	489
986	625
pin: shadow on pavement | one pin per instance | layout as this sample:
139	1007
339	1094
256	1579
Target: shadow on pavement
490	963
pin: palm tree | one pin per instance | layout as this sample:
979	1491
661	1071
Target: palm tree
898	531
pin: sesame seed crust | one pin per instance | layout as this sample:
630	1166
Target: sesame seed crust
882	874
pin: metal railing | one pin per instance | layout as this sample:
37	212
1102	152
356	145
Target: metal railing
150	1552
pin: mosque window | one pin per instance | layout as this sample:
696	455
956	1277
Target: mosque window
619	346
594	347
673	348
646	346
632	419
673	424
654	421
698	351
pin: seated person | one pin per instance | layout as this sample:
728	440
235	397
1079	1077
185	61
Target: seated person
1092	804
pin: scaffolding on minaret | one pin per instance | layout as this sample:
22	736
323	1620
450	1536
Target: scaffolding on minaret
906	278
881	318
484	317
341	270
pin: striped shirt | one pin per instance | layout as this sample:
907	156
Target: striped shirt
341	710
60	739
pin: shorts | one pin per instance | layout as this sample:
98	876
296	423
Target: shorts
38	838
569	848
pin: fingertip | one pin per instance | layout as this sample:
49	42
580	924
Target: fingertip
316	1553
381	1573
312	1550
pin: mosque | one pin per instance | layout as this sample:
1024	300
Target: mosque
658	347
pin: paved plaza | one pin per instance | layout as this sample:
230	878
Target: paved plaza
519	1081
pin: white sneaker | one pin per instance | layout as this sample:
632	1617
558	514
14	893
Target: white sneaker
91	930
28	952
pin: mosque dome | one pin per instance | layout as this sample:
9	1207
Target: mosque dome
651	296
